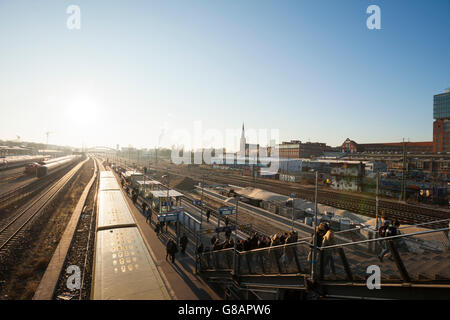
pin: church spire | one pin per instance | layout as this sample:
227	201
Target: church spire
243	142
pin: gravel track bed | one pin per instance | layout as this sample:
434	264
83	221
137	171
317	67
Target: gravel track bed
23	266
81	252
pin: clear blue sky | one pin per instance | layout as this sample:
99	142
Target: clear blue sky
308	68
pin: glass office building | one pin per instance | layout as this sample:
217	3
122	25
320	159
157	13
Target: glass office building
441	105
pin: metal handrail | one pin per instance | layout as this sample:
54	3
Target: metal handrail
423	223
384	238
277	246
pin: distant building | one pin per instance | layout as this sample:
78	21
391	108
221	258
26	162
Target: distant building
347	175
295	149
350	146
441	125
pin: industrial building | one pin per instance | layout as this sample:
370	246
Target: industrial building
350	146
295	149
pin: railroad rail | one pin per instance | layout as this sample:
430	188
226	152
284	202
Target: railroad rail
405	213
15	226
34	186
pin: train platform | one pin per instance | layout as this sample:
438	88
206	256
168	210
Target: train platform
181	281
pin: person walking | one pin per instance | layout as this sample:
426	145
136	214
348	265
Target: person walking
183	243
320	232
199	252
387	230
208	214
157	228
149	215
171	250
328	240
144	207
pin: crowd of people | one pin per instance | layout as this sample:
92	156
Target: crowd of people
255	241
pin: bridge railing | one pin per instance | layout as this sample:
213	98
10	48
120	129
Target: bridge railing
422	256
414	257
282	259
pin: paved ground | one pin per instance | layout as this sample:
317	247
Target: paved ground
179	278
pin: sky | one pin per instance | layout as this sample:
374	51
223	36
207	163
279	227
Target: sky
159	73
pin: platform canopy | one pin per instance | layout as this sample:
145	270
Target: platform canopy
148	182
163	193
259	194
131	173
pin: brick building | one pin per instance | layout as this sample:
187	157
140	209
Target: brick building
351	146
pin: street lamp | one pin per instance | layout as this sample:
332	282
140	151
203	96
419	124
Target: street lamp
201	206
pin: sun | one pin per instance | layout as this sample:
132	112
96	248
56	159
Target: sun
82	110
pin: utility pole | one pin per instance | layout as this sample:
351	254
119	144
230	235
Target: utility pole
404	170
313	260
201	205
292	208
235	238
376	201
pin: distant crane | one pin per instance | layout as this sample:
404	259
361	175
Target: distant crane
47	134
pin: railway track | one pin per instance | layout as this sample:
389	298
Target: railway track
34	186
11	176
364	205
15	227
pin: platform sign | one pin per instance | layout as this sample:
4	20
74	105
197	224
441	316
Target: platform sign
225	211
168	217
225	229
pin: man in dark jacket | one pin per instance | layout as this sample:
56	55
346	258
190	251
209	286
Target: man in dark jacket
171	250
183	243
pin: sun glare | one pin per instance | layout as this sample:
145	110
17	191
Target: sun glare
82	110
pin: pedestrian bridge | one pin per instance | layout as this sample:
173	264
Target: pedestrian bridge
416	266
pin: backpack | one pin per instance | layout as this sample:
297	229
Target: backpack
391	231
382	231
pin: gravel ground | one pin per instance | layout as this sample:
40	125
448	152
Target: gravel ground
24	265
81	252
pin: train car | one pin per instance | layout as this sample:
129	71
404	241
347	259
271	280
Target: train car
31	168
109	184
48	161
107	174
113	210
18	161
123	267
44	170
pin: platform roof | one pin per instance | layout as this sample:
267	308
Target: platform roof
132	173
148	182
259	194
163	193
